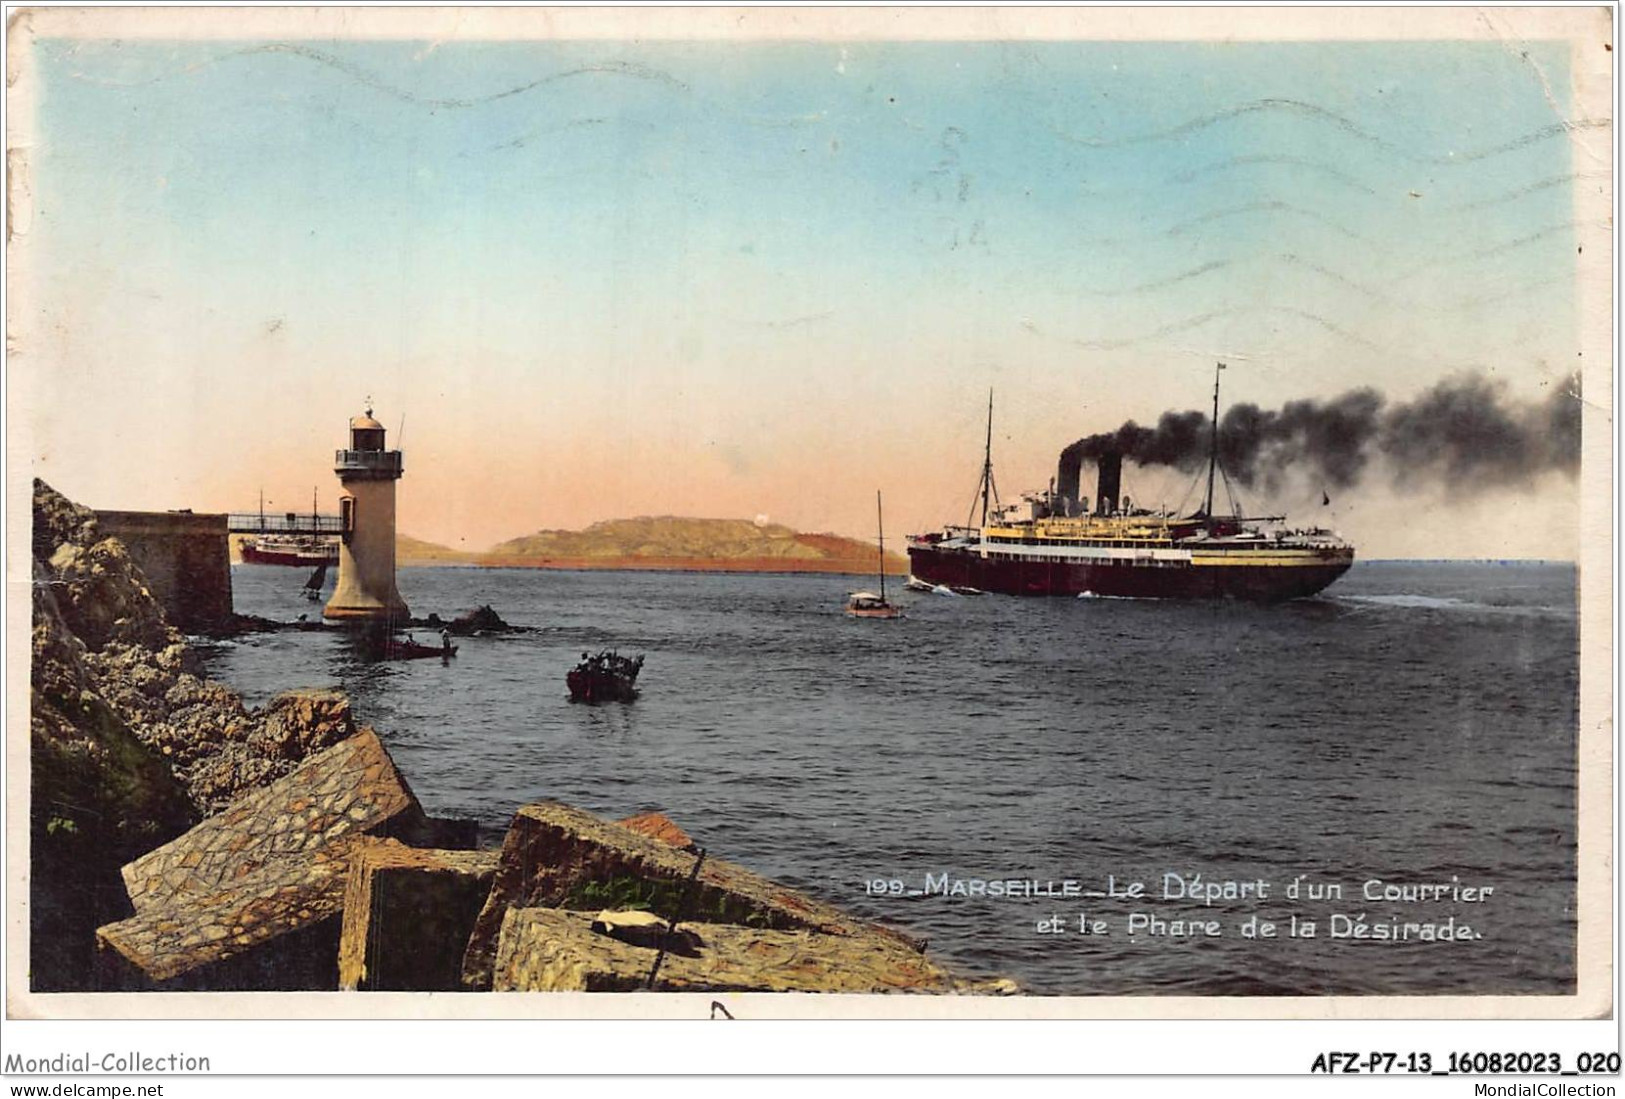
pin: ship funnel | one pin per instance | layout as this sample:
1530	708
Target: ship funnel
1066	479
1111	481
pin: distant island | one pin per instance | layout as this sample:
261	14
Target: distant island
669	543
414	551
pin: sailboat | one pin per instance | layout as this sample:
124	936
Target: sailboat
866	604
313	586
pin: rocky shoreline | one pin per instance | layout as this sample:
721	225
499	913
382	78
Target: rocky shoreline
182	841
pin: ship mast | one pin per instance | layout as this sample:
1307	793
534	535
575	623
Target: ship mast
1213	445
987	487
987	458
880	526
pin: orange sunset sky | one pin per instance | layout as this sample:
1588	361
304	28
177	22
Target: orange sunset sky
599	279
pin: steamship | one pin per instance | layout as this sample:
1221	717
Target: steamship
1054	543
298	552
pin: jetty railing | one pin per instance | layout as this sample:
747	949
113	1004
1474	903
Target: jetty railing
287	522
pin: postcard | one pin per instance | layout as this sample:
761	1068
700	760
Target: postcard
972	513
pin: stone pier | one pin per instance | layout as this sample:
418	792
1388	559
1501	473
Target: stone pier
185	558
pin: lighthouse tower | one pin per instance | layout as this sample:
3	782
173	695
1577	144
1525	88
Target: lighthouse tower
365	591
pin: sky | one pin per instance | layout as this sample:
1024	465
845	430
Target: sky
589	280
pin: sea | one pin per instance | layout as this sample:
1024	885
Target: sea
1369	792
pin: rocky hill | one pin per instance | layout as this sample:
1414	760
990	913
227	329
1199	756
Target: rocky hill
672	542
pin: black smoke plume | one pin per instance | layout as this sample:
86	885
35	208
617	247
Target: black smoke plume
1464	432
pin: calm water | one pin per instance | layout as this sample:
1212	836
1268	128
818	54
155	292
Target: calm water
1415	723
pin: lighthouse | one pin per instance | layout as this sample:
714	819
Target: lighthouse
365	591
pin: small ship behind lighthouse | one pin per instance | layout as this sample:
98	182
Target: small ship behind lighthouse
365	591
1056	543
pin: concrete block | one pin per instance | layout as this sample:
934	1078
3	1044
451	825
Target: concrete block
352	787
550	950
555	856
275	928
408	913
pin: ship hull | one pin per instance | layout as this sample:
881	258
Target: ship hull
592	687
299	558
1125	580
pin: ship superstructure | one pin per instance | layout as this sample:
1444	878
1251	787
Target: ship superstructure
299	552
1052	543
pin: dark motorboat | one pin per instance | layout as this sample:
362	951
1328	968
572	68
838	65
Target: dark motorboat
405	648
379	644
377	641
606	677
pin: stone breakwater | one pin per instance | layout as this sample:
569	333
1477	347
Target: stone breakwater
181	841
129	746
